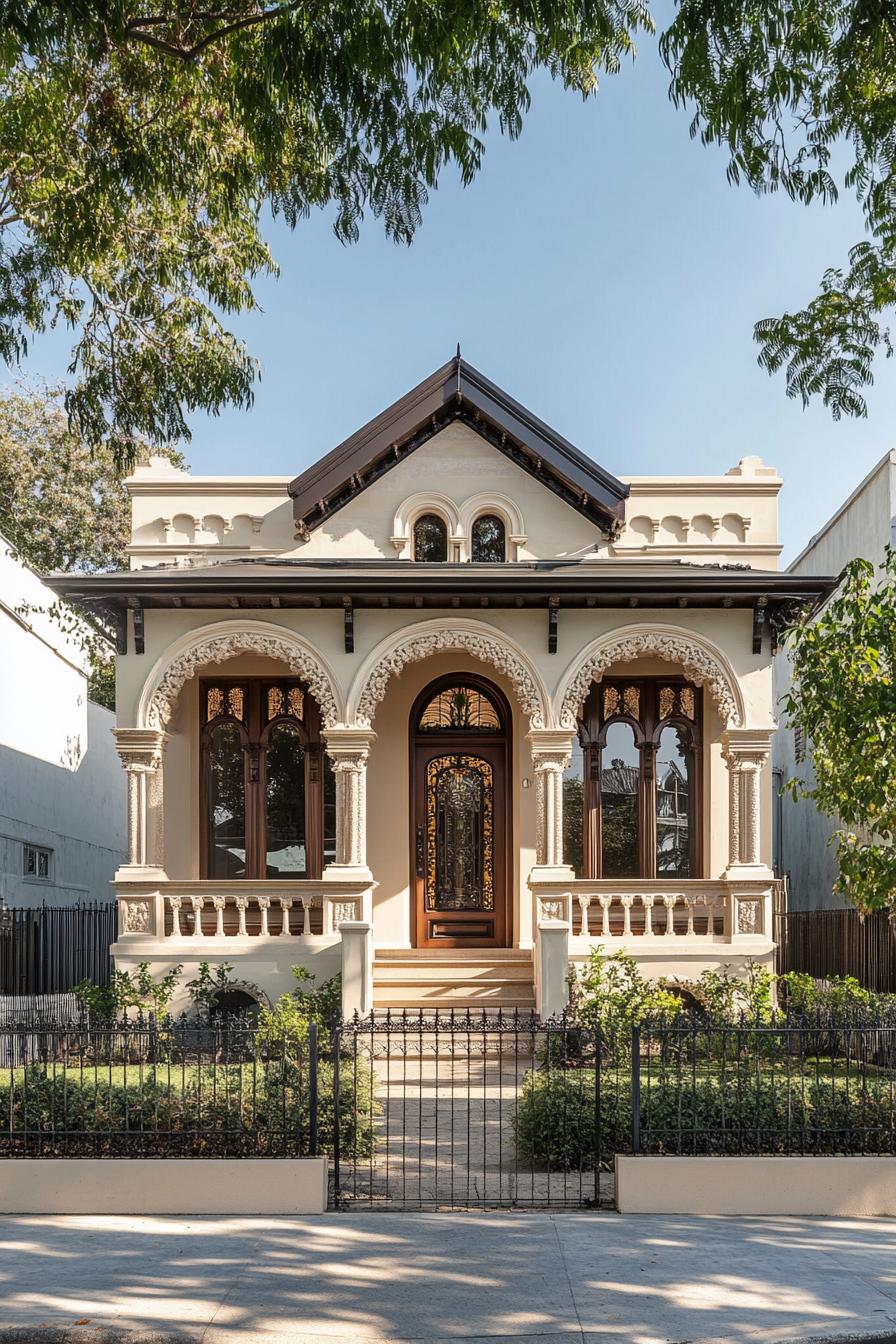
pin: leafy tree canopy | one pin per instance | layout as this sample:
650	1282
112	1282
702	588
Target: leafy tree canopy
843	697
140	143
63	505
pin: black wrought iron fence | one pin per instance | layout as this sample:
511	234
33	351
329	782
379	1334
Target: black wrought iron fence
166	1089
453	1111
49	949
792	1085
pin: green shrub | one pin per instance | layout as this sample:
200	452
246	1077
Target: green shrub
554	1123
288	1021
226	1110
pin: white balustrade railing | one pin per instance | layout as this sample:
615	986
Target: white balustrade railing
203	910
597	911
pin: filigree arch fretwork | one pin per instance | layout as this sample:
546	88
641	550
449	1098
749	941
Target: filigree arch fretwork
159	698
486	646
703	666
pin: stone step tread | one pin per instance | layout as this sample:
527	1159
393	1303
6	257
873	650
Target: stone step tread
437	994
474	1006
464	955
387	976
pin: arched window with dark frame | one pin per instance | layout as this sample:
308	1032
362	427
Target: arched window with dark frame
268	789
430	539
488	540
634	782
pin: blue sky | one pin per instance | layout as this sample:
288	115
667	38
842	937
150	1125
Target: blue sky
600	269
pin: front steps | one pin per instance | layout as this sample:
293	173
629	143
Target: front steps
468	978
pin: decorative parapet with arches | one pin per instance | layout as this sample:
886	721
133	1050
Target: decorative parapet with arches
487	645
217	645
704	665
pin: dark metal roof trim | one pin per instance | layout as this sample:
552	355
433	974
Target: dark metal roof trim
456	391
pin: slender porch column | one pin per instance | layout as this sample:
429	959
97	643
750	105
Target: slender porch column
551	754
748	877
348	750
140	751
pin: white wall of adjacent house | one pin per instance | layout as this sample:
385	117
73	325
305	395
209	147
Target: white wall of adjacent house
62	805
864	525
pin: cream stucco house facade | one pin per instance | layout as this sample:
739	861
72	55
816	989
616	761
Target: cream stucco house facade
446	710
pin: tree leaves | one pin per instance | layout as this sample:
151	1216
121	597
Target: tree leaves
844	698
139	145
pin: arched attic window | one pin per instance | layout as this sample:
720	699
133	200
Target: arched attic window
430	539
488	543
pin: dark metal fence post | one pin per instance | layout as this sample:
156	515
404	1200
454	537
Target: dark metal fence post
337	1126
312	1088
636	1088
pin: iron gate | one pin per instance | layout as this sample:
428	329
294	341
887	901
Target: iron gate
471	1111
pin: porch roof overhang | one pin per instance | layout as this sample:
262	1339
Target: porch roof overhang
459	392
351	584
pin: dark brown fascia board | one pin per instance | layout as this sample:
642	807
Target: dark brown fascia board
456	391
334	584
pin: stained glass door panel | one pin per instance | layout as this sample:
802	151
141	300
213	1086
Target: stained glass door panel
459	847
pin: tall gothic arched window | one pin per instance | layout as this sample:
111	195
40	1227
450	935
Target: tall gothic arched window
268	790
430	539
632	791
488	542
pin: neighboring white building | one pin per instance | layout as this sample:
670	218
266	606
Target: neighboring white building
62	810
448	710
864	526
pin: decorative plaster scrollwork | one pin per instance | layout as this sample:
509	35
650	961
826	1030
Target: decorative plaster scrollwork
218	648
136	916
698	663
747	916
480	646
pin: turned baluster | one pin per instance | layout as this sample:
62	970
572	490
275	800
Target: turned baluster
286	906
307	902
242	905
690	902
219	903
669	903
584	903
175	902
264	905
605	903
197	903
647	902
627	902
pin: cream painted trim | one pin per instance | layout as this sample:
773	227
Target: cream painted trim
489	502
226	639
447	633
702	485
207	485
704	662
183	1185
414	507
847	1187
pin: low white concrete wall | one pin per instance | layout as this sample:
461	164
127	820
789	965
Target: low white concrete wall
163	1185
855	1187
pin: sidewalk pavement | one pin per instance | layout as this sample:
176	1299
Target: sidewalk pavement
539	1277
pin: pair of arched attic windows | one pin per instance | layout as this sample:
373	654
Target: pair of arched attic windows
488	541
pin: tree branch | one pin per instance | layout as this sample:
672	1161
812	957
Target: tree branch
139	34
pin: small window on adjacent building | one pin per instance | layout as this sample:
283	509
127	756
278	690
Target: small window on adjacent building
430	539
488	544
37	861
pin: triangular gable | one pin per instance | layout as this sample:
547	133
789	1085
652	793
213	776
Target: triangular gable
456	391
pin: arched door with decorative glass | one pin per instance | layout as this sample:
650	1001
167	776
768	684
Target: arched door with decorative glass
459	822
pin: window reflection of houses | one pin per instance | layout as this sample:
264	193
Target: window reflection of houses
672	818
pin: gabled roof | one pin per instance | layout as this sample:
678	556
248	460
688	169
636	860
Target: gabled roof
456	391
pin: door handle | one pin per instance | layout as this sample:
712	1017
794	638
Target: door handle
420	852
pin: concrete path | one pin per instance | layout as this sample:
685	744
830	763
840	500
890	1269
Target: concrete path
542	1278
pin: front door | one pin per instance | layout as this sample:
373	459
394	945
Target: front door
459	815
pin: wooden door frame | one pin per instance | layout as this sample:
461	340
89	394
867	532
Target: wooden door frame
471	742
